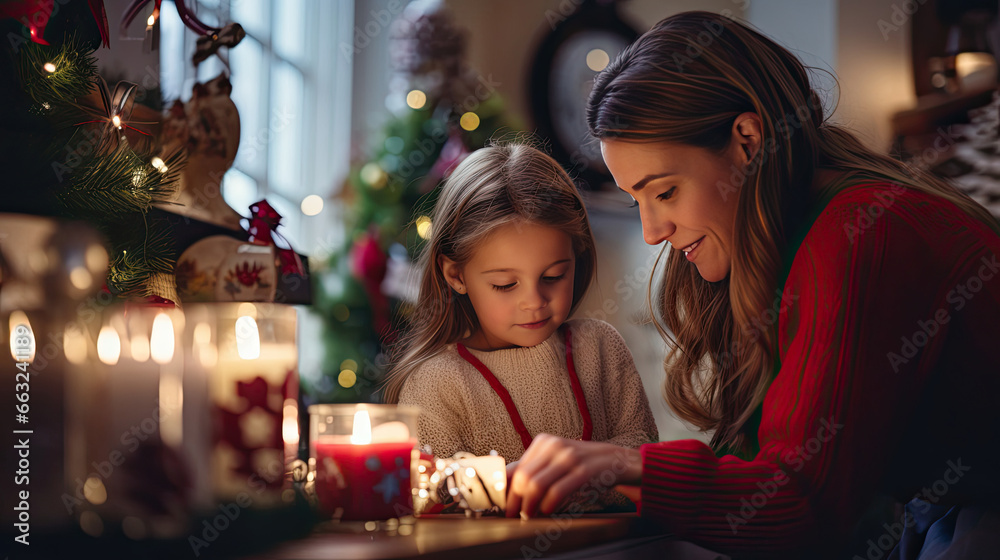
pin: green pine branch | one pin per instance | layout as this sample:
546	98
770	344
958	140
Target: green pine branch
57	75
139	249
112	186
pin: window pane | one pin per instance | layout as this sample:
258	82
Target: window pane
285	129
173	63
291	28
249	71
253	16
210	69
239	191
205	11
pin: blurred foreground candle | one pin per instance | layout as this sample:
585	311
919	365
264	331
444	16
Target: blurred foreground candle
249	356
362	455
49	273
136	462
179	412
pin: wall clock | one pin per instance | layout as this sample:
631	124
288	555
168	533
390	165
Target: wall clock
579	46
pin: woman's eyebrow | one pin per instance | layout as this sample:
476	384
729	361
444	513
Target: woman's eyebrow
642	182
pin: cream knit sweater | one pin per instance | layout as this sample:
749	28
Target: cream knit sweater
461	412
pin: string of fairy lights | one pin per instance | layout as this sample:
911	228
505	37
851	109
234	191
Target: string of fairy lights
100	176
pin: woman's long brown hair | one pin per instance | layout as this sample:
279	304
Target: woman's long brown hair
685	81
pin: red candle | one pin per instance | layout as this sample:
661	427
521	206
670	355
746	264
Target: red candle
366	482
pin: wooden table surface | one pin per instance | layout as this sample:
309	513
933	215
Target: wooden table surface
455	536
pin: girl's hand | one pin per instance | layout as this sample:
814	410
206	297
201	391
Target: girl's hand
553	468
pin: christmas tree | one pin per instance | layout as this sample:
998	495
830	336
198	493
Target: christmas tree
70	145
442	111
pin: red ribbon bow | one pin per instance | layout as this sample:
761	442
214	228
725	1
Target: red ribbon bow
263	230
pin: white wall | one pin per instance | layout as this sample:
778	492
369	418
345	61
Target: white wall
875	71
843	36
809	30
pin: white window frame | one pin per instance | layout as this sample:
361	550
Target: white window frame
320	119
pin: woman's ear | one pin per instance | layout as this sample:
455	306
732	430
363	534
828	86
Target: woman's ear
746	136
452	273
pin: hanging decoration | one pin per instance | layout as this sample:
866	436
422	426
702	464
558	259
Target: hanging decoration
207	45
210	38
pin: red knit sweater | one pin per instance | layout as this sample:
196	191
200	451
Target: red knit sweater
889	378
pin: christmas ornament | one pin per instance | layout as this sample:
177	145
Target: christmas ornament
221	268
207	128
369	265
207	45
263	230
117	109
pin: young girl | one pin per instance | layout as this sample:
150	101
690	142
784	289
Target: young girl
490	358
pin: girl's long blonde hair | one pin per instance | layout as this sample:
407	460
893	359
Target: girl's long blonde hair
494	186
685	81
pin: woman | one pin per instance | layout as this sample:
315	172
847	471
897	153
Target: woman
834	314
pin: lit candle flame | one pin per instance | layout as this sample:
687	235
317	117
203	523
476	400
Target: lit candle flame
117	121
362	428
290	422
247	338
109	346
139	346
161	340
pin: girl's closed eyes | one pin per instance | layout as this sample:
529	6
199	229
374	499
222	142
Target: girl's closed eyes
510	286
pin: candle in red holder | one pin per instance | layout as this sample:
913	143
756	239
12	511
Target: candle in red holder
362	458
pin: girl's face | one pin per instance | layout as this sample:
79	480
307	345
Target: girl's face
520	282
686	196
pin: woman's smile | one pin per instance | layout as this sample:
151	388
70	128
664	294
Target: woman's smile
690	250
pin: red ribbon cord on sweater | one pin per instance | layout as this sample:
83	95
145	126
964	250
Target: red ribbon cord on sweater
508	403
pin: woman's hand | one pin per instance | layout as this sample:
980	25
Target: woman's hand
553	468
511	469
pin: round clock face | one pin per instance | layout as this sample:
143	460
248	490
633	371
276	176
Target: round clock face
575	63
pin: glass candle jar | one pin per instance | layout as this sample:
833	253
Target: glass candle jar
362	455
